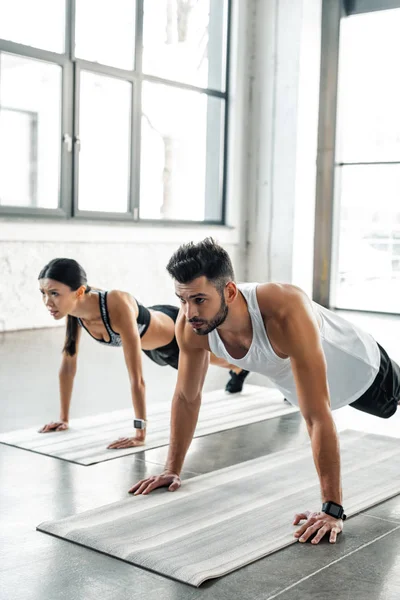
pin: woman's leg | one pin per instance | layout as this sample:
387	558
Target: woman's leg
238	375
221	362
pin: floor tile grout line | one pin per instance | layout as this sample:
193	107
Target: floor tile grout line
293	585
381	519
159	464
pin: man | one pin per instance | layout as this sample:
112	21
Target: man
318	360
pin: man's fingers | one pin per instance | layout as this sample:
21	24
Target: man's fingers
136	486
152	486
318	537
142	488
148	485
300	517
310	531
310	521
333	536
145	486
175	485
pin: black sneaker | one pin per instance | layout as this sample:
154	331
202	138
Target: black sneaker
235	384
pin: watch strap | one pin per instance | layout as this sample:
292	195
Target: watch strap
334	510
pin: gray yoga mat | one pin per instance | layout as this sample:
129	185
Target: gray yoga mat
229	518
86	441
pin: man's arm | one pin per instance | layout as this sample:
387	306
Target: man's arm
309	370
193	365
296	333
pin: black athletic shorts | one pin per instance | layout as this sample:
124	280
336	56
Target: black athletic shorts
382	397
169	354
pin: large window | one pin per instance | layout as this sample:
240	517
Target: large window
367	275
114	109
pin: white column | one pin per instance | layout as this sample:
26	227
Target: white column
284	123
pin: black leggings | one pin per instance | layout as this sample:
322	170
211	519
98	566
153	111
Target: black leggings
169	354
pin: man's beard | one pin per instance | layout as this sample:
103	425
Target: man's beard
215	322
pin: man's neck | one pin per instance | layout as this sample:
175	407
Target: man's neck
238	322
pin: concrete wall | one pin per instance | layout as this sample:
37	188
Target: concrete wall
123	259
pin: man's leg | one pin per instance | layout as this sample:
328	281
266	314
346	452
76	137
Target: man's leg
396	381
383	396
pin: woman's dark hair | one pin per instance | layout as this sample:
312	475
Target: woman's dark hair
69	272
204	258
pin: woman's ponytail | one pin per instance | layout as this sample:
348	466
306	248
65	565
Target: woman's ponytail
72	332
71	336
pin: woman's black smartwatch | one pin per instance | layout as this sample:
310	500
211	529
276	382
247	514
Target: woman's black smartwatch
334	510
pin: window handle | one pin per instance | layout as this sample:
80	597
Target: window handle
67	140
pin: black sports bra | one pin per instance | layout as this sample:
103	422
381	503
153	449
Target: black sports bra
143	322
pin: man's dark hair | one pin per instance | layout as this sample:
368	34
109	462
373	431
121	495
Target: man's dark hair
204	258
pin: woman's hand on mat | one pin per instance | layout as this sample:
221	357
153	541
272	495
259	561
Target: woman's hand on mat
127	442
317	524
54	426
166	479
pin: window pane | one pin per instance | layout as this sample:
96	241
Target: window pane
30	132
37	23
104	157
181	165
369	88
186	41
369	238
105	32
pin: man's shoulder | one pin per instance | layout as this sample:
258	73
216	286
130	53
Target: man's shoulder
278	300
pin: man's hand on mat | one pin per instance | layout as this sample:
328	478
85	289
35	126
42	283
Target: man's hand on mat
127	443
317	524
54	426
145	486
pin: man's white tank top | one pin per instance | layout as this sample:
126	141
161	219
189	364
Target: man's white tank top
352	355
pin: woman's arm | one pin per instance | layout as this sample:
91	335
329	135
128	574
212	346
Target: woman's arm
66	375
123	312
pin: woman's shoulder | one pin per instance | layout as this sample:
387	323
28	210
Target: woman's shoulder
118	301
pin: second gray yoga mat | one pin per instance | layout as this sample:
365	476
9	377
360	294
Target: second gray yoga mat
229	518
87	439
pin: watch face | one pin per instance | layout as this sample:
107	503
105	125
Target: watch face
335	510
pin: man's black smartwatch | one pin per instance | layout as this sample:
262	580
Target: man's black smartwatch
334	510
139	423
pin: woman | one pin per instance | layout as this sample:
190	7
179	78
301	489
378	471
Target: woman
113	318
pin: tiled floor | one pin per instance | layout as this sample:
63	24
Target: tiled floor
363	565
